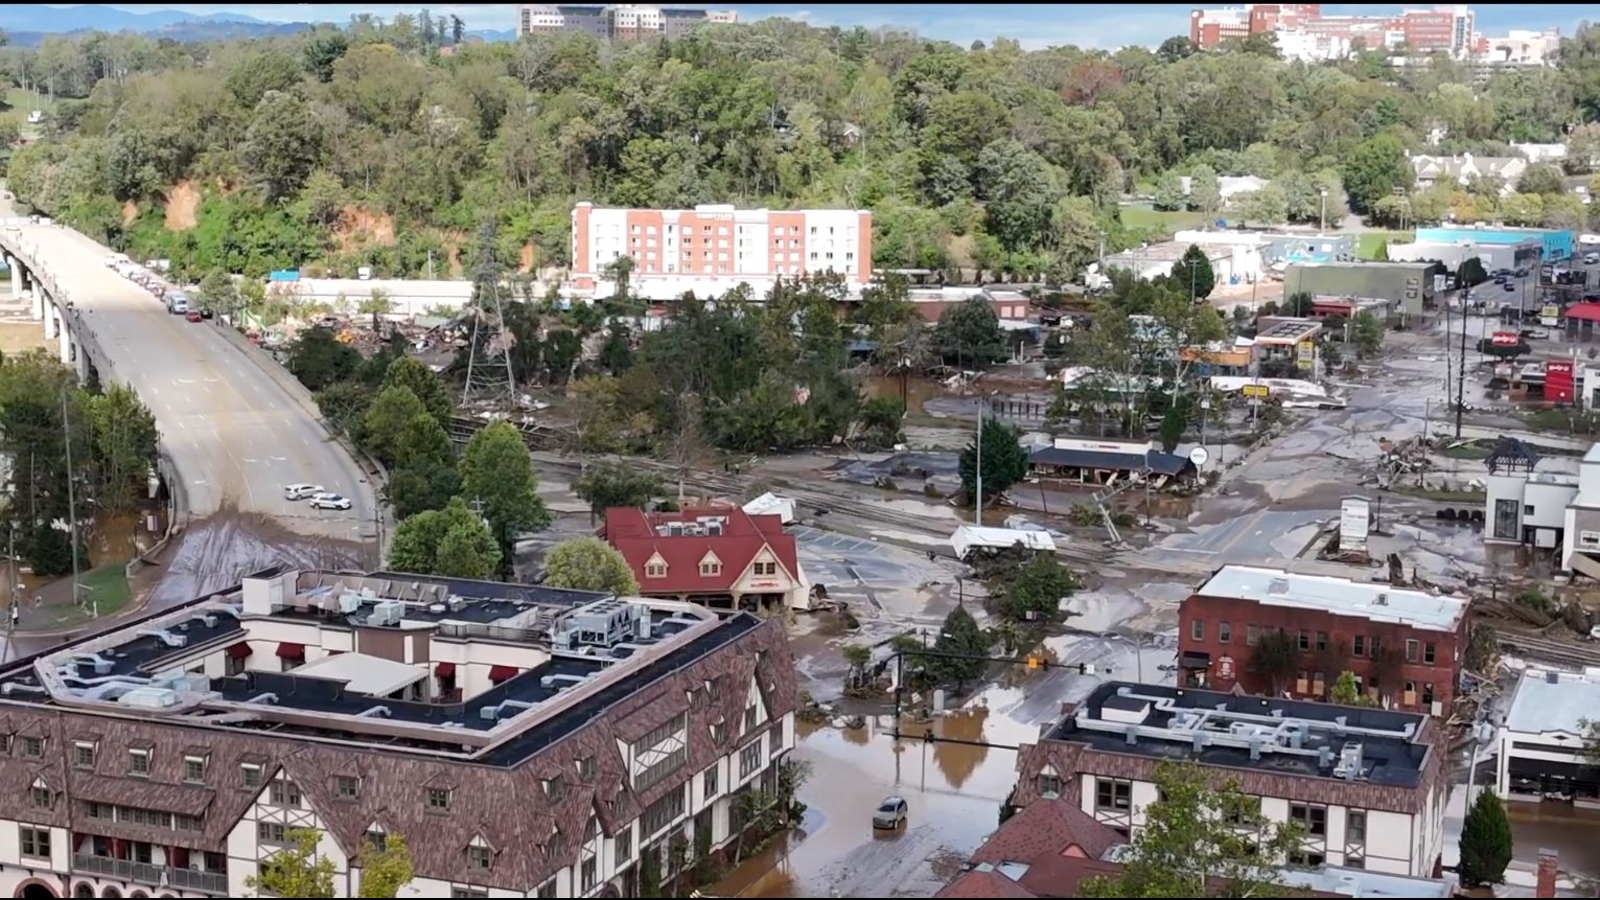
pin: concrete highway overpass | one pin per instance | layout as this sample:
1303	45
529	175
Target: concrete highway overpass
234	426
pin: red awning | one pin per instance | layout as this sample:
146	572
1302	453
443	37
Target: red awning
286	650
239	650
498	674
445	670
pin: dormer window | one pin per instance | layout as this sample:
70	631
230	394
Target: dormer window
139	763
553	787
586	768
655	568
41	794
83	754
710	566
480	858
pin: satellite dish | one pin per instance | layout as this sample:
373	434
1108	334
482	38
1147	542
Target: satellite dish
1198	456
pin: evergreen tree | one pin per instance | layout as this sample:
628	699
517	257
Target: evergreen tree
1192	274
1485	842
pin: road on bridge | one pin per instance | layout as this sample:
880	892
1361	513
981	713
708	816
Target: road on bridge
234	433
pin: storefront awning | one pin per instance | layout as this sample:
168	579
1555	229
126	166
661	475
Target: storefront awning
498	674
287	650
1195	659
444	670
239	650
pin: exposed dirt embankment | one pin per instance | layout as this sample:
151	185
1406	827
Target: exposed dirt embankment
358	226
183	206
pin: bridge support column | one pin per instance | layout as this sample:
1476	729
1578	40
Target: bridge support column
14	276
38	305
65	334
52	320
80	361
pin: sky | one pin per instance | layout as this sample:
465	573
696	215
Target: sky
1089	25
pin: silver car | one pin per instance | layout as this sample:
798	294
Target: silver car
890	814
330	501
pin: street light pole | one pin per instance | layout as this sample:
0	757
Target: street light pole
1324	218
1461	370
977	470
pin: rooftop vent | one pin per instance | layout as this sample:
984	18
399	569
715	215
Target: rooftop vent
1278	586
1552	677
1383	598
388	612
456	603
1349	767
349	602
437	609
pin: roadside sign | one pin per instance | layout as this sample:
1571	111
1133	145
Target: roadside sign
1256	390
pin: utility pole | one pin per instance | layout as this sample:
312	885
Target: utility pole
72	502
1461	370
1324	226
977	470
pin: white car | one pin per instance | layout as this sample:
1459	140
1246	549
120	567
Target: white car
301	491
330	501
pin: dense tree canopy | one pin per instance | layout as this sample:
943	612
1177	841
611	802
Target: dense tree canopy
364	145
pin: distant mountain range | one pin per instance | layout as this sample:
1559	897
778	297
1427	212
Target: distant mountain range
28	24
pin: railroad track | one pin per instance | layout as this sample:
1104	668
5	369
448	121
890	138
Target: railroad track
1546	649
540	441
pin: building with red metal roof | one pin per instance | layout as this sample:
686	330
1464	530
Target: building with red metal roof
720	556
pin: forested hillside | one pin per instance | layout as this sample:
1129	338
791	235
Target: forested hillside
383	144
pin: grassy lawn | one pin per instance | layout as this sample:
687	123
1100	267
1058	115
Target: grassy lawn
1564	421
1439	495
1368	243
1157	222
19	103
107	587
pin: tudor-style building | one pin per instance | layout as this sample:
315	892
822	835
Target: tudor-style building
170	757
719	556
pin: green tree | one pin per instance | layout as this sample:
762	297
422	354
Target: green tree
1202	837
1347	691
1485	842
607	484
217	293
960	636
969	335
1374	169
282	145
1267	206
1005	462
1169	192
1540	178
1193	275
1205	190
296	870
858	658
384	871
424	474
424	383
125	446
1038	591
453	541
318	359
1367	330
386	419
1471	272
497	472
590	564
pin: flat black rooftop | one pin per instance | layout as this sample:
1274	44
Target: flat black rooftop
473	589
1386	759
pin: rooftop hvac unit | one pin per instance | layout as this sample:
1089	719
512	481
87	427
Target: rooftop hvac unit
714	528
149	698
349	602
388	612
456	603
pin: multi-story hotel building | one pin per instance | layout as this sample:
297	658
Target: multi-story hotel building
1366	786
1403	645
623	22
713	248
526	742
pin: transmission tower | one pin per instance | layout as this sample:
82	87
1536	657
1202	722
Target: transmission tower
490	378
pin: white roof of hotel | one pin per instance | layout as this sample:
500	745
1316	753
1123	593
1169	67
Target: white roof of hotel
1542	706
1340	596
363	674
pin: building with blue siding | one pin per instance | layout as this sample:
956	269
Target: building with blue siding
1558	244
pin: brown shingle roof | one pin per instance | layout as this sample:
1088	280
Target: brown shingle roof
505	805
1046	828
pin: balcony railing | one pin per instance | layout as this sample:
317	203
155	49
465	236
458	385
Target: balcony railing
156	876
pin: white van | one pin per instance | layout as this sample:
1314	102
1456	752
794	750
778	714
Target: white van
177	303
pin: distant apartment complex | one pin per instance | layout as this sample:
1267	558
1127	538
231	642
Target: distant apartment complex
526	741
713	248
1303	32
626	22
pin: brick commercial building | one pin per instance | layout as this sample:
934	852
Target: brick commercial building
1303	32
714	248
623	22
1404	645
1366	785
525	741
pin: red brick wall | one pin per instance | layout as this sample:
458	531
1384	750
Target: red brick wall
1240	614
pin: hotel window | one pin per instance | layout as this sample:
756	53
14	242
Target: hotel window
480	859
749	759
41	796
1428	653
271	833
377	841
1224	632
710	567
83	755
1113	794
1197	629
655	570
709	782
284	792
1313	820
624	845
346	787
1049	786
1306	858
33	747
438	799
587	875
776	739
139	763
586	768
1355	826
250	776
194	768
35	842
